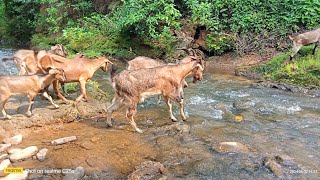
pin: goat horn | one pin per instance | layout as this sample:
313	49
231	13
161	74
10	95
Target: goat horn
200	66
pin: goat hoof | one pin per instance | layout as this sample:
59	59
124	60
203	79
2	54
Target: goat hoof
56	106
29	114
173	119
109	123
139	130
184	118
8	117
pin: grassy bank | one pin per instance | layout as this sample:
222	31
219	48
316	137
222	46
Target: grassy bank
304	70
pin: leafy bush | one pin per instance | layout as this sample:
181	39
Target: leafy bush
220	43
304	70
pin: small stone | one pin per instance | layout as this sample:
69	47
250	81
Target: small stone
63	140
95	139
24	154
87	145
148	170
78	174
4	156
274	167
238	118
4	164
57	147
41	155
13	150
22	176
13	140
285	160
227	147
182	128
4	147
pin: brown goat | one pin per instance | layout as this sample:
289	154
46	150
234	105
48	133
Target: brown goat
30	85
132	87
20	55
76	70
305	39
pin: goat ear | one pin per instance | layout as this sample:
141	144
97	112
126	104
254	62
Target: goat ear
53	47
52	71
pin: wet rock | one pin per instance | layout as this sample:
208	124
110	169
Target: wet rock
4	156
63	140
22	176
4	147
228	147
78	174
13	140
94	162
87	145
148	170
274	167
13	150
243	105
285	160
4	164
41	155
182	128
24	154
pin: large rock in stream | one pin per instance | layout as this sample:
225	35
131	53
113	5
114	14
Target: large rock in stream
147	171
23	154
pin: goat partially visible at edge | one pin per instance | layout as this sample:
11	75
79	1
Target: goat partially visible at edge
30	85
303	39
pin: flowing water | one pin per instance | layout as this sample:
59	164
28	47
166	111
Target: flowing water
221	108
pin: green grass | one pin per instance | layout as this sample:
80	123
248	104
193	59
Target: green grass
303	70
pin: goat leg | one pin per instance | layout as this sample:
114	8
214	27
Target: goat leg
2	103
82	90
167	99
56	90
130	113
315	47
31	102
47	96
182	114
296	49
115	104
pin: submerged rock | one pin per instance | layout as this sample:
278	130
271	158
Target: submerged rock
148	170
24	154
41	155
228	147
182	128
13	140
285	160
274	167
4	147
63	140
77	174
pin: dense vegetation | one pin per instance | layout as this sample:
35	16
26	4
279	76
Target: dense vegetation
303	71
126	28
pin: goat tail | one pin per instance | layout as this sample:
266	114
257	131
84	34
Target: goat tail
7	59
113	72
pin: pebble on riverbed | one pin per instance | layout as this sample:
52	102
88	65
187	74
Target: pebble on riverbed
78	174
4	164
41	155
63	140
13	140
229	147
148	170
274	167
23	154
4	147
3	156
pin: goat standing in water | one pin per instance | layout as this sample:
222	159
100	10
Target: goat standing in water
132	87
